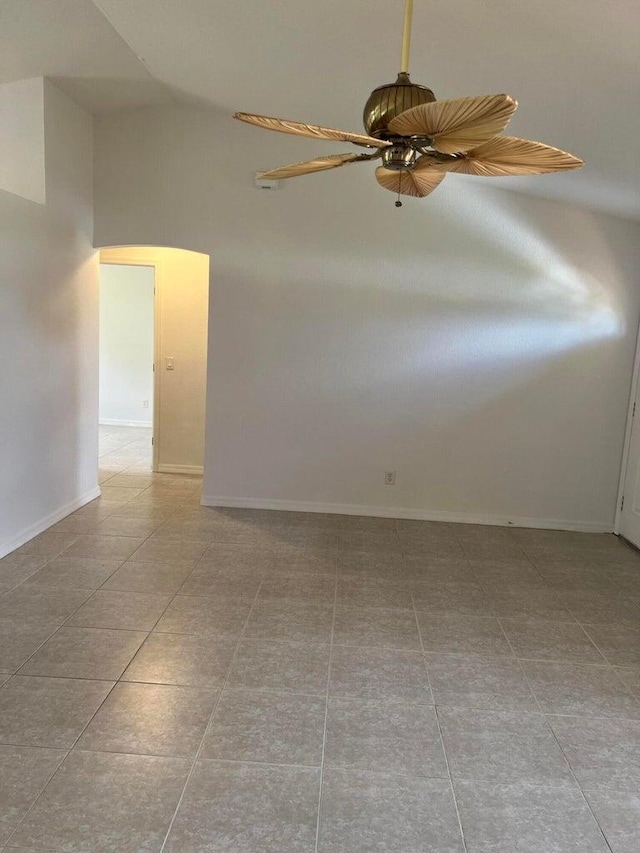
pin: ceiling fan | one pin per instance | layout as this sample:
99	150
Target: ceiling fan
420	139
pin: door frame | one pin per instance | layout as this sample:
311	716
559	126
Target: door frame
635	378
119	257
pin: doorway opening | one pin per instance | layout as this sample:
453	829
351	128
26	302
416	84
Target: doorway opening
153	361
126	385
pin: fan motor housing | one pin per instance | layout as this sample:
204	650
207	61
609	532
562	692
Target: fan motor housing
399	158
388	101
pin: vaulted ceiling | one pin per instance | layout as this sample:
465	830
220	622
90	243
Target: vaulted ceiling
572	66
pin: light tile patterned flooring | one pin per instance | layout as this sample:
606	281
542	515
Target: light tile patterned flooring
184	679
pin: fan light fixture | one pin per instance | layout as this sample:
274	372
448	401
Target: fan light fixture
420	139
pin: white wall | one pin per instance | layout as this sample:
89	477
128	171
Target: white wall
478	342
126	344
22	169
182	284
49	335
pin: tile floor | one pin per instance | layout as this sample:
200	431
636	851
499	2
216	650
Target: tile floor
183	679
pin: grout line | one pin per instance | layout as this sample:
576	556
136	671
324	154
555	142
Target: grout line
442	745
37	799
326	713
607	659
453	790
184	506
62	763
568	763
207	727
72	678
435	710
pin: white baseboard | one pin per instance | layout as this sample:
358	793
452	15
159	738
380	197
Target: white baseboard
415	514
112	422
29	532
181	469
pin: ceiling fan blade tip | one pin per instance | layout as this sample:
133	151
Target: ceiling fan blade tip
314	131
505	156
319	164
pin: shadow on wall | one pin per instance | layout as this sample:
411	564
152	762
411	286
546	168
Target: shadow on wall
457	366
180	351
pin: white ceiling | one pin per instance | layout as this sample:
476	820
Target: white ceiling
572	65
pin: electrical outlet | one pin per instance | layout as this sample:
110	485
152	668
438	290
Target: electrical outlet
389	478
145	404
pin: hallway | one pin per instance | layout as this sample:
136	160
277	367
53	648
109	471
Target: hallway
123	449
185	679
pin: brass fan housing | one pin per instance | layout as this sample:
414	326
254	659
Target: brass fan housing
399	157
388	101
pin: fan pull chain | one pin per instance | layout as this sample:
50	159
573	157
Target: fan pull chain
398	202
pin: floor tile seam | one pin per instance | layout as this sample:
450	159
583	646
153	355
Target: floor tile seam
206	731
379	699
566	758
613	718
579	787
69	750
521	659
509	643
49	557
525	620
376	647
62	625
548	716
148	631
241	637
57	678
144	539
275	641
39	796
440	735
579	716
354	768
534	783
635	691
113	682
508	781
450	776
247	762
197	563
623	622
275	691
585	626
24	580
424	659
421	642
326	717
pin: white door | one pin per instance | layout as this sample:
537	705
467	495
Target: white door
630	513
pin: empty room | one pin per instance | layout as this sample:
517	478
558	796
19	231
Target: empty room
319	450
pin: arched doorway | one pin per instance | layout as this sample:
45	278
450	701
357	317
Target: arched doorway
153	357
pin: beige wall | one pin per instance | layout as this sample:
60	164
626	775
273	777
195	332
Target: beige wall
49	334
22	167
182	283
478	342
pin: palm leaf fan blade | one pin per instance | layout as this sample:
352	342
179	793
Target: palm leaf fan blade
510	156
314	131
458	124
319	164
418	182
